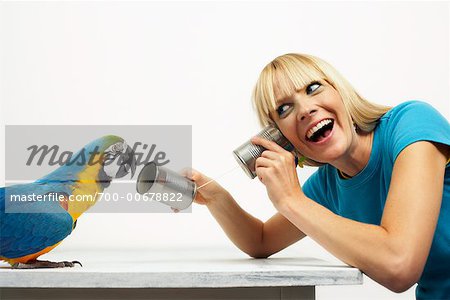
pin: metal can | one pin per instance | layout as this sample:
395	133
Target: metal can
177	190
247	153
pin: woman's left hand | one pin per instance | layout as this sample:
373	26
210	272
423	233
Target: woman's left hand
276	169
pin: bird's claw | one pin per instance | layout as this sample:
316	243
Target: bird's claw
45	264
76	262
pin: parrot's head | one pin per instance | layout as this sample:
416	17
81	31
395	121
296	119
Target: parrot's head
117	159
89	171
100	161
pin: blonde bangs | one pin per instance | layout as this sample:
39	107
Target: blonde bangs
280	79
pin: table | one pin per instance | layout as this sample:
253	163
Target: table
175	273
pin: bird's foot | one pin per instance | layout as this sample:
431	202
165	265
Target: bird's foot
36	264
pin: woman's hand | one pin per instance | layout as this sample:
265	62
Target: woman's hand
207	193
276	170
210	192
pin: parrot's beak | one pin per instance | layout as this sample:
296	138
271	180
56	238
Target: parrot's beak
128	163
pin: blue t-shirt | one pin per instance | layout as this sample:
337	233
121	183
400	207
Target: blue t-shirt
362	197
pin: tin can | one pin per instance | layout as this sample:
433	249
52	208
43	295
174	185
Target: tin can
247	153
169	187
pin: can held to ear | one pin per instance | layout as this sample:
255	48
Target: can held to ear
175	190
247	153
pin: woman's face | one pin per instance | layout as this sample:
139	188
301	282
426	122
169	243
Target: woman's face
315	122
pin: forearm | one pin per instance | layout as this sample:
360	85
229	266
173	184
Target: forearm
368	247
244	230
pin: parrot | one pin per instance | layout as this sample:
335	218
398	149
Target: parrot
29	229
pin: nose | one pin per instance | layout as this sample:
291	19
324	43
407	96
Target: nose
305	111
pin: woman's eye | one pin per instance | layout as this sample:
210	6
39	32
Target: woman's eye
312	87
282	109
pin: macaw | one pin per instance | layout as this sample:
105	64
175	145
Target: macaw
29	229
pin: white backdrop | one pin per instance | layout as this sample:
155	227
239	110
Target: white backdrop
196	63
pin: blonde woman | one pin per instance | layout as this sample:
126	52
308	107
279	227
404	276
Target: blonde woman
380	199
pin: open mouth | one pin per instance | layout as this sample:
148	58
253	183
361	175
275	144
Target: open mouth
321	131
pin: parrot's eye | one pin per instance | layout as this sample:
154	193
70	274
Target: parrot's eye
117	147
119	160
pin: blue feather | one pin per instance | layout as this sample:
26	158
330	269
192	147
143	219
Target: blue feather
27	227
44	223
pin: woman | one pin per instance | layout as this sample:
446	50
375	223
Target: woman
380	199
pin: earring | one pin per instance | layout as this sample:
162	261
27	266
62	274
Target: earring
299	161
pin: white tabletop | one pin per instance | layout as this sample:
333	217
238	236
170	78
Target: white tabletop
179	268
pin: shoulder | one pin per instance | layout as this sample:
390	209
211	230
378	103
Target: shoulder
408	109
414	116
410	122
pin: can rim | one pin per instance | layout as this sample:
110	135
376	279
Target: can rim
243	165
140	182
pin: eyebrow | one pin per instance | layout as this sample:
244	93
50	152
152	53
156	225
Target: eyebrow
280	100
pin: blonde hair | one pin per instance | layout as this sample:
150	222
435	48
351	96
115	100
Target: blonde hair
291	72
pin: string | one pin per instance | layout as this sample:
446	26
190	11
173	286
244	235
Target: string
222	175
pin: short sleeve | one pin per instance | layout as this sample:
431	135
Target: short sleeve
415	121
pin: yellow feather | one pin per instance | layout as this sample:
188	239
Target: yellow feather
87	186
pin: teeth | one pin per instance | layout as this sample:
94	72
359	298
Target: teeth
317	127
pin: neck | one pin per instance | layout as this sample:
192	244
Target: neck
87	195
357	157
86	189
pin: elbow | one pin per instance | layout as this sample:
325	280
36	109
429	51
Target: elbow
400	285
401	275
257	254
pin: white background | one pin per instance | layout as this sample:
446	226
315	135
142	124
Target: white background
196	63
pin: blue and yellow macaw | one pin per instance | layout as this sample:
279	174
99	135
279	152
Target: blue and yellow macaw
29	229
